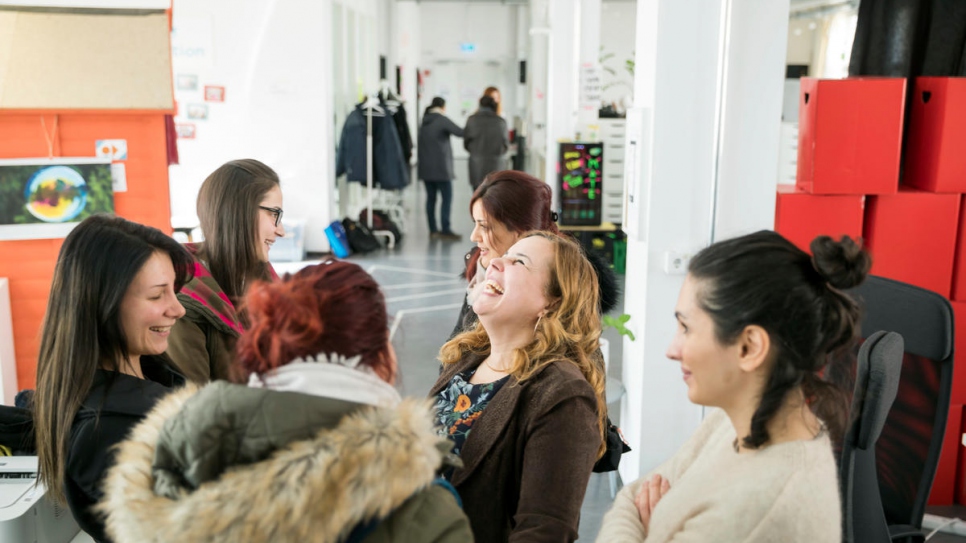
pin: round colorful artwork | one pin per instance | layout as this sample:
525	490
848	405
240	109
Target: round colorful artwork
56	194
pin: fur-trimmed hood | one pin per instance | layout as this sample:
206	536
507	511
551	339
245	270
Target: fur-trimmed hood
363	467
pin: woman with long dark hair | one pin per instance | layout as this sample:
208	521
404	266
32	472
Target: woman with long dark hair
102	364
757	320
240	209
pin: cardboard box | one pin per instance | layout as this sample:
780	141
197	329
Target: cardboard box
935	157
850	135
912	237
801	217
945	483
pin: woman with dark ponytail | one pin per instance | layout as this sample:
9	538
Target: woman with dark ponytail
758	320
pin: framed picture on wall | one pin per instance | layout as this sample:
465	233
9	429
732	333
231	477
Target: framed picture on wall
45	198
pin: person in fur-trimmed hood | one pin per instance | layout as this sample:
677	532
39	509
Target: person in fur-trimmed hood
318	447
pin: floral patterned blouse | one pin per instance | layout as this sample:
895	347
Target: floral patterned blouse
460	404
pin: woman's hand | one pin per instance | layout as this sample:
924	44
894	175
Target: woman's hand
651	492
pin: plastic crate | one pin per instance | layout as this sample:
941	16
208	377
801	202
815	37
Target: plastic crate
290	248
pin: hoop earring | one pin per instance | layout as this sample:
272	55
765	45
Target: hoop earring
537	324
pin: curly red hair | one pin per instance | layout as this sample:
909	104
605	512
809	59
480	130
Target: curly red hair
332	307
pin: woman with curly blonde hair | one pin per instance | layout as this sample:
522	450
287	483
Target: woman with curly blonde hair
521	395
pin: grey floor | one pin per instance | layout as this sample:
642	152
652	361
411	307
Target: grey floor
423	294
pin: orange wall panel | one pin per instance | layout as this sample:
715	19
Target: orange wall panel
29	264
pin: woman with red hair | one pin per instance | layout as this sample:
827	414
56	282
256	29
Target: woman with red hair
318	447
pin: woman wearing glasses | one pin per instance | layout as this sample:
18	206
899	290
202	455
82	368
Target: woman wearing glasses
240	209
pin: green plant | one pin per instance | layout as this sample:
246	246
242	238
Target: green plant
618	323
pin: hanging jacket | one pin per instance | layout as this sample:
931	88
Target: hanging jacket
435	151
310	452
390	170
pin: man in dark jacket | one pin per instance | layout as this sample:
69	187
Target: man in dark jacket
436	166
487	140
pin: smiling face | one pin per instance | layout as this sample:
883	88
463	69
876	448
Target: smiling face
268	232
711	369
492	237
150	307
515	289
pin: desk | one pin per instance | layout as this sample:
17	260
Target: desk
604	227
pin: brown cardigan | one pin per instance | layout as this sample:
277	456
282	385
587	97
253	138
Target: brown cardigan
528	459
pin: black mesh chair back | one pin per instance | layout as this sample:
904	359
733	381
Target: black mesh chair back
877	370
907	451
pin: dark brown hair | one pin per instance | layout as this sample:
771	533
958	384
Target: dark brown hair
333	307
228	211
763	279
518	201
82	330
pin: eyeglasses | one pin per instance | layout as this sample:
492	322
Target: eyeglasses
277	211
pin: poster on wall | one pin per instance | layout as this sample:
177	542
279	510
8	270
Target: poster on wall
580	172
45	198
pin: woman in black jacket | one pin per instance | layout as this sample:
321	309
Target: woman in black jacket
102	362
436	165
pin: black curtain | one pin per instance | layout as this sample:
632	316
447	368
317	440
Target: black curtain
910	38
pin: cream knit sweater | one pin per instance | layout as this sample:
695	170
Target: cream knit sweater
786	492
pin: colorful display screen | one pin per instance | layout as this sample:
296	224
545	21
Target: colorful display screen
580	173
41	198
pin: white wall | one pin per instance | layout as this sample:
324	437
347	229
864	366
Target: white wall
618	23
275	61
711	80
460	76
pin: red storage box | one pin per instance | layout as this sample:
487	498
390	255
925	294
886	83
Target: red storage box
960	490
958	291
801	217
944	486
850	135
935	160
958	395
912	237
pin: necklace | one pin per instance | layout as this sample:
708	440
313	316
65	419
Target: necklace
486	361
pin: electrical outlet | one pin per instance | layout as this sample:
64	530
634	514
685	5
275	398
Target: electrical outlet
676	262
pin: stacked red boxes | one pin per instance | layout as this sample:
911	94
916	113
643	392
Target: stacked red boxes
850	135
911	236
935	160
850	147
801	217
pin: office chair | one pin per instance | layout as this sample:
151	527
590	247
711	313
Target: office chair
878	366
907	451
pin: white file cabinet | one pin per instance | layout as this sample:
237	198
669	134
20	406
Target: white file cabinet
612	134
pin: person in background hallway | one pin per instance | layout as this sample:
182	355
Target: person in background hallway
318	447
521	395
487	139
102	365
240	209
436	166
757	318
494	93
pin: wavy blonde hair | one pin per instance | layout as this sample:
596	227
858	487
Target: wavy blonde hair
568	332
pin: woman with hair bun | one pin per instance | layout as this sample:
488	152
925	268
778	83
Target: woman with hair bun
318	447
757	321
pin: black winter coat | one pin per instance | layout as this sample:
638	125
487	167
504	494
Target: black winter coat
390	169
121	401
435	151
